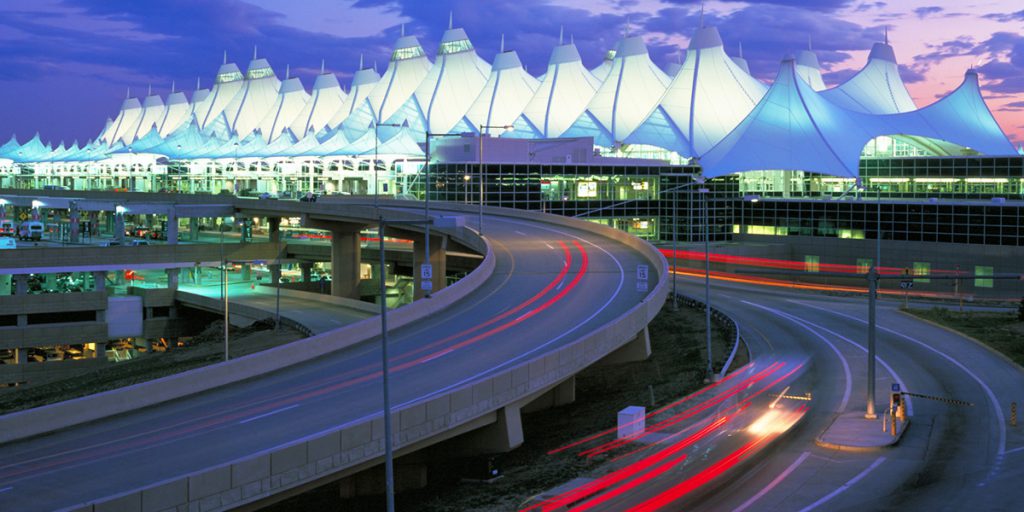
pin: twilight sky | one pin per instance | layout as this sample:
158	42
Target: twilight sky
67	63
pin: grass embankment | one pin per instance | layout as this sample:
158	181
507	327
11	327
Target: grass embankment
205	348
1001	331
675	369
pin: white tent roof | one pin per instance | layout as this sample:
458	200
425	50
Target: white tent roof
127	121
605	67
505	95
875	89
153	111
796	128
807	68
562	95
255	100
362	83
177	113
631	90
229	82
290	101
326	99
454	81
409	65
704	102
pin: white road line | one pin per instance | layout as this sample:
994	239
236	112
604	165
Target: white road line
853	481
1015	450
271	413
560	285
5	489
842	359
549	246
899	380
520	233
1000	419
776	481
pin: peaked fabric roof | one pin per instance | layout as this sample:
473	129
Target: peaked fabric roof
255	100
877	88
176	114
363	82
291	99
226	86
153	111
707	99
508	90
454	81
631	90
561	96
808	69
126	121
326	99
406	70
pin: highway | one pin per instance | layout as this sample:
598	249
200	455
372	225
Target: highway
952	457
551	285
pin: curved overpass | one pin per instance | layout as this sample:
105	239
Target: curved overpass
559	295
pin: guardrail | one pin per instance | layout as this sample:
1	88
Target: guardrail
731	325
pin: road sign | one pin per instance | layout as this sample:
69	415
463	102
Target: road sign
895	387
906	285
641	286
426	271
23	216
641	272
426	285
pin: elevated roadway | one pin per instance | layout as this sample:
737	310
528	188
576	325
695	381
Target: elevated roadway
558	295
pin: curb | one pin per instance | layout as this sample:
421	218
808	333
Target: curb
860	449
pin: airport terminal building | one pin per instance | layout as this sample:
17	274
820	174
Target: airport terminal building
792	165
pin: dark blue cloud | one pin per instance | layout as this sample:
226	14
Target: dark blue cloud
924	12
1006	18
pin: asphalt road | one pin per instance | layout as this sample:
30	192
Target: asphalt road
951	457
551	285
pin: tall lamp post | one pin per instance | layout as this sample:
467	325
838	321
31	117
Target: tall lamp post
389	462
426	205
505	128
707	275
376	141
873	273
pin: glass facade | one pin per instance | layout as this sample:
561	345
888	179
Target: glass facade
406	53
449	47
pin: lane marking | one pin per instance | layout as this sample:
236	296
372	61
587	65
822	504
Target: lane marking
771	485
1000	419
853	481
520	233
5	489
1015	450
549	246
842	358
895	376
271	413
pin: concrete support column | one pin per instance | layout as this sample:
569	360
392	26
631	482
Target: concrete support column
438	262
73	222
172	228
246	271
307	271
193	229
172	278
20	355
6	284
21	284
275	274
101	350
197	275
636	349
119	227
99	278
274	229
563	393
345	259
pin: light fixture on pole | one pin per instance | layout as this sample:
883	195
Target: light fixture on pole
505	129
707	274
376	139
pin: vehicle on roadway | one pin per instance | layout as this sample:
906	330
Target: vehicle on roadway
7	227
31	230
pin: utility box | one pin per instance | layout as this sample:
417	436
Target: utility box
632	421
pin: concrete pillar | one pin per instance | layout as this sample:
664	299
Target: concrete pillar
438	262
119	227
197	275
21	284
73	220
307	271
6	285
563	393
636	349
172	278
275	274
20	356
101	350
246	271
193	229
274	229
345	259
99	278
172	228
504	435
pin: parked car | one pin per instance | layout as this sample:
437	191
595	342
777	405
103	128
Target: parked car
137	243
31	230
7	227
110	243
308	198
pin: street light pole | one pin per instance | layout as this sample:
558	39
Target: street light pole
707	280
873	273
675	246
389	463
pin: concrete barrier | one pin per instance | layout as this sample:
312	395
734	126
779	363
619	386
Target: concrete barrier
23	424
